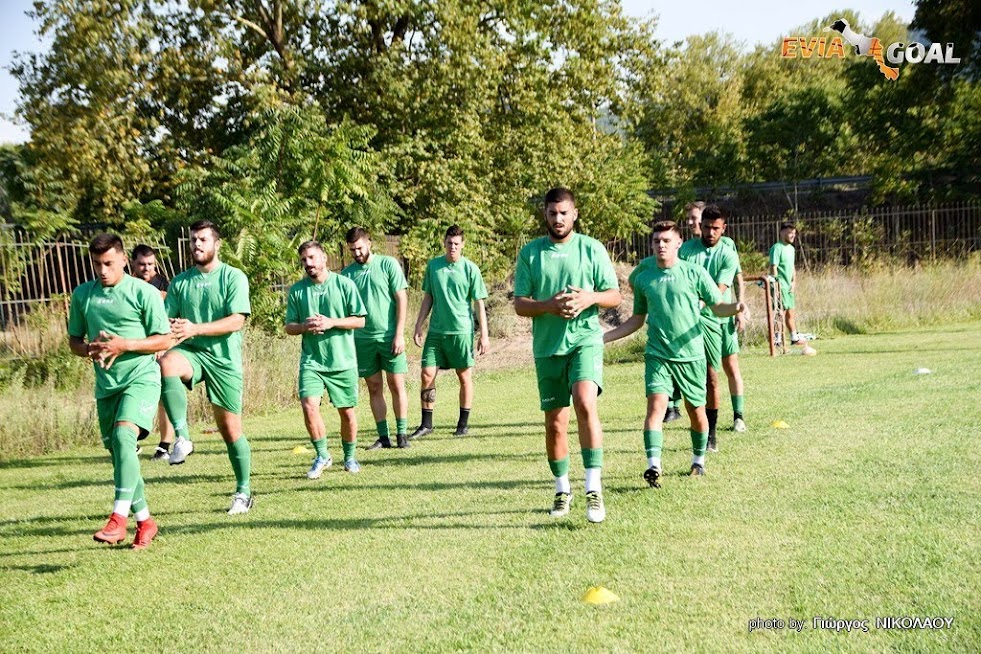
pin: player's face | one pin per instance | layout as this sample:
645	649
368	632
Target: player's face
145	267
560	218
109	266
454	248
314	262
789	236
204	247
360	250
694	221
666	245
712	231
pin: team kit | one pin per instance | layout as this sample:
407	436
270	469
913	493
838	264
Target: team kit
151	342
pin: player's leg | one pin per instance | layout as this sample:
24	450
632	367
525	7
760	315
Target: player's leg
730	364
342	387
712	338
239	454
115	528
584	394
379	410
790	316
349	437
658	385
163	424
179	370
691	376
312	390
400	405
554	400
465	375
427	399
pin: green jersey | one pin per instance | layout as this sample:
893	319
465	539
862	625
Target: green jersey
721	263
336	297
782	256
130	309
670	299
207	297
378	281
453	287
731	244
545	268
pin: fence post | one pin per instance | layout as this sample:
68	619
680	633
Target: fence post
61	273
933	234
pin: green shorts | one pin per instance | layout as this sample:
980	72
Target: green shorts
661	377
787	296
557	374
341	386
222	381
730	338
137	403
448	351
712	337
376	354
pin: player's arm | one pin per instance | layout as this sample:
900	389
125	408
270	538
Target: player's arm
185	329
483	344
79	347
424	309
577	300
401	310
726	309
296	328
626	328
531	308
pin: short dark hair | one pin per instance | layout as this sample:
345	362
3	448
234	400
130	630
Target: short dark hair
666	226
355	234
104	242
559	194
206	224
787	225
714	212
454	230
306	245
142	250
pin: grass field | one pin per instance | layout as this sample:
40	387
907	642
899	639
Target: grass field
867	506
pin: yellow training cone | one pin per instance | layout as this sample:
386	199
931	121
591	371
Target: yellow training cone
299	449
599	595
779	424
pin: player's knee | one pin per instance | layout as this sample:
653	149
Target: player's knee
374	383
428	395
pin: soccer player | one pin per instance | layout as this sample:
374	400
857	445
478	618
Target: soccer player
730	328
380	345
119	322
143	263
721	263
667	292
325	308
208	304
451	285
561	281
782	256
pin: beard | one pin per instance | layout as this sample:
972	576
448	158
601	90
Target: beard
204	258
555	233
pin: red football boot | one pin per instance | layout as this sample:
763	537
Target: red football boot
145	531
114	531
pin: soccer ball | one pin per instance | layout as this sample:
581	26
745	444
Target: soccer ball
808	351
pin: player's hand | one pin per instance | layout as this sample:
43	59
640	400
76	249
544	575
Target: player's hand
182	329
417	338
742	311
108	347
574	302
398	344
318	324
741	320
483	344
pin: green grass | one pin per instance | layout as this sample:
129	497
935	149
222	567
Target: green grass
867	506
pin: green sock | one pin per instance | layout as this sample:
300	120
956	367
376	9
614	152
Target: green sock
126	463
653	442
674	404
738	402
174	397
139	497
240	454
401	425
382	427
349	449
560	467
699	441
592	457
320	445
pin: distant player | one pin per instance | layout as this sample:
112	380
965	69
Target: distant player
325	308
561	281
119	322
721	262
208	304
667	292
143	263
452	284
782	257
380	344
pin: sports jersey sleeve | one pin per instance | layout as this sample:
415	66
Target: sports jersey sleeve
355	307
396	278
775	255
604	275
427	284
292	307
154	315
522	276
708	290
477	289
76	314
640	300
727	272
173	302
238	294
